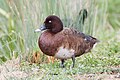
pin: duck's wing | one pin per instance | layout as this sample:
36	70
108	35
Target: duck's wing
77	41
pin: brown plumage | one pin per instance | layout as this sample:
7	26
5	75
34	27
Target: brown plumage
63	43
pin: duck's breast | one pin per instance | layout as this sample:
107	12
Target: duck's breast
64	53
49	43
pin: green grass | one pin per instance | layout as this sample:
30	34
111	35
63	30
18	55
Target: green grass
102	59
19	19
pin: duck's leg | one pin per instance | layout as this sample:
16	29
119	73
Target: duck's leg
62	63
73	60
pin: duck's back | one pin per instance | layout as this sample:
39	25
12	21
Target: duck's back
77	41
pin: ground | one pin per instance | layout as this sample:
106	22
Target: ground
102	63
13	70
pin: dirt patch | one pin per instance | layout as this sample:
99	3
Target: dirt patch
97	77
113	75
12	69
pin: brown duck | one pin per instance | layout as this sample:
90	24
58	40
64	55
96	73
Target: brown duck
63	43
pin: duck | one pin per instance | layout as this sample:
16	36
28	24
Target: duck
63	43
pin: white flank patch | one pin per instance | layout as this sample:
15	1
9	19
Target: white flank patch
64	53
85	39
95	45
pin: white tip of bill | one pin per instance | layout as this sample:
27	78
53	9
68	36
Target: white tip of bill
37	30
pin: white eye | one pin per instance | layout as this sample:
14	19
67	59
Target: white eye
50	21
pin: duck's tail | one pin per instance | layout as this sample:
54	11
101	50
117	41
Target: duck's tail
90	42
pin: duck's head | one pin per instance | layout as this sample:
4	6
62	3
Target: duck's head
52	23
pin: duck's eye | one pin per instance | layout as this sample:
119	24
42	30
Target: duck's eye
50	21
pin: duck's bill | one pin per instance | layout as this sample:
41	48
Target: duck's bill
37	30
42	27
